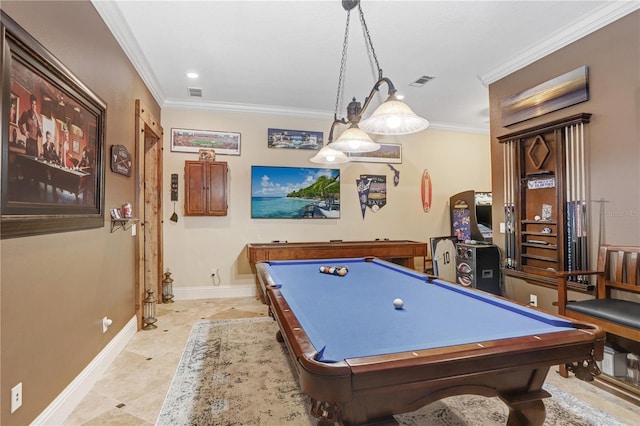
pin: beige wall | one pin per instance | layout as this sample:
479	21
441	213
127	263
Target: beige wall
195	245
56	288
613	141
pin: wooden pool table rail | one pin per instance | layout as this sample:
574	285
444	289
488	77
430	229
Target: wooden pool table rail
401	252
374	388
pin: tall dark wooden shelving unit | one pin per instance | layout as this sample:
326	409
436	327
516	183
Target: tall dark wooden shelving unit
545	200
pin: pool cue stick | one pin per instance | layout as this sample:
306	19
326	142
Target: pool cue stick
583	200
577	220
510	222
574	202
568	237
505	179
601	227
505	188
513	146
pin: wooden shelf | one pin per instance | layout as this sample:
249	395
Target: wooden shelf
540	234
542	258
541	246
540	222
539	174
124	223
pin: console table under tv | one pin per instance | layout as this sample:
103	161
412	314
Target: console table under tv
401	252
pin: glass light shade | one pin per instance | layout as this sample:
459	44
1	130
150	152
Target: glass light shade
393	117
327	155
354	140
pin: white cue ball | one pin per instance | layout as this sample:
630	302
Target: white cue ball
398	303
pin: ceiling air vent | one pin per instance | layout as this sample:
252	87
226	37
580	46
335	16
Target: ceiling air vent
422	81
195	91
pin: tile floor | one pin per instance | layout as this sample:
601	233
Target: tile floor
132	390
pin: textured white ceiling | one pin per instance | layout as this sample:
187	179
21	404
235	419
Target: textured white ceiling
284	56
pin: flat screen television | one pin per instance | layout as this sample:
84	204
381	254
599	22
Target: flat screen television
295	193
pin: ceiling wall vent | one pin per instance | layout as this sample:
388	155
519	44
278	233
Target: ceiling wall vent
422	81
195	92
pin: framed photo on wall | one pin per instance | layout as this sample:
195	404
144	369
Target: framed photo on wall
187	140
52	142
388	153
294	139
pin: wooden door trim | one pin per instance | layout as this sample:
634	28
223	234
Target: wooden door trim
147	126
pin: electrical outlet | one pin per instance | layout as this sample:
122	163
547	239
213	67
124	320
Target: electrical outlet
533	300
106	322
16	397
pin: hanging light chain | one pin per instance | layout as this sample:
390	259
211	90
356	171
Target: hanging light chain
368	38
343	62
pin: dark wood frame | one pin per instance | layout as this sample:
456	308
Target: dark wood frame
552	130
20	218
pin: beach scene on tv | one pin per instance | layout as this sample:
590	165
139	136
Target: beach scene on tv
295	193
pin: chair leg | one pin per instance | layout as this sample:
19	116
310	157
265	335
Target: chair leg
563	370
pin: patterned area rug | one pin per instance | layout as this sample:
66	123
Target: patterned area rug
234	372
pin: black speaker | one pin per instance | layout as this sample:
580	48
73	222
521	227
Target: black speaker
478	266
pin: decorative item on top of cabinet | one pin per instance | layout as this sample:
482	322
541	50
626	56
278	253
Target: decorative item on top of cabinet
545	201
205	188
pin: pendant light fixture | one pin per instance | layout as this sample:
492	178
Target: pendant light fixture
392	117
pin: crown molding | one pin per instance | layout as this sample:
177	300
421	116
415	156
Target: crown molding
178	104
246	108
458	128
606	14
112	17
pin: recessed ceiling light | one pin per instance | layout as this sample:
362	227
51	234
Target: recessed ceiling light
192	75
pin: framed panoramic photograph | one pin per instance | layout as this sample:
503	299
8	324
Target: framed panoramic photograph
186	140
388	153
561	92
294	139
294	193
52	142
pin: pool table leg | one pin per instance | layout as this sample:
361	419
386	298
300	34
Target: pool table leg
528	410
327	413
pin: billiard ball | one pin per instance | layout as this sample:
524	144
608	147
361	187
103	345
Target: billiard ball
398	303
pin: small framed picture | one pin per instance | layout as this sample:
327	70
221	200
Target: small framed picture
188	140
546	211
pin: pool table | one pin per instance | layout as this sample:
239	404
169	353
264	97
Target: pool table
361	360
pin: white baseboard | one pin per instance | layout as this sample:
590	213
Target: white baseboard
64	404
213	292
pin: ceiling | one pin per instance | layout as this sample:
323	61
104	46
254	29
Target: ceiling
283	57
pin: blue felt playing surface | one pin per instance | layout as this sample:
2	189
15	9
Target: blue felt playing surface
353	316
